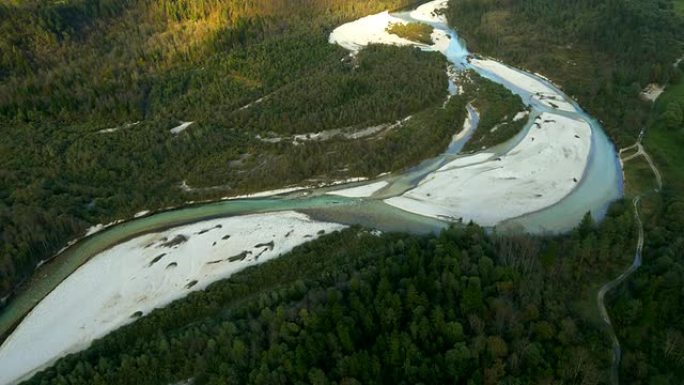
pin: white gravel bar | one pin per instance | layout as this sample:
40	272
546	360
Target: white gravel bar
148	272
543	93
364	191
541	170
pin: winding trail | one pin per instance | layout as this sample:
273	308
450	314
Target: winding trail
600	297
636	262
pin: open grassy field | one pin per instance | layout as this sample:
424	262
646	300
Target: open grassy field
639	178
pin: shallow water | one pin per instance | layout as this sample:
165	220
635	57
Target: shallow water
457	145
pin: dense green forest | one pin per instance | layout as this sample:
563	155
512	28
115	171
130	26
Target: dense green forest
355	308
114	61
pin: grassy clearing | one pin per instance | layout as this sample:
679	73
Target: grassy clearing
639	178
419	32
